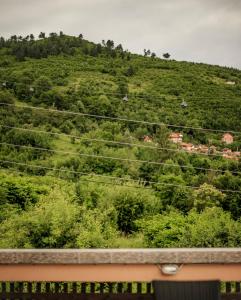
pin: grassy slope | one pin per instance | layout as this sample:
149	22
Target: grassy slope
157	89
155	92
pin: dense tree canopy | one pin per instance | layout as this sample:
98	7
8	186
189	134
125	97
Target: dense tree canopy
85	155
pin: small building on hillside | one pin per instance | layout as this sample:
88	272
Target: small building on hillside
227	138
176	137
187	147
230	82
227	153
203	149
147	139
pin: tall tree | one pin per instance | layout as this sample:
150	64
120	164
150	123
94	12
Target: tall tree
119	48
53	35
166	55
2	42
31	37
13	38
110	44
42	35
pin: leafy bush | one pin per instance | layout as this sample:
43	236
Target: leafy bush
194	230
18	191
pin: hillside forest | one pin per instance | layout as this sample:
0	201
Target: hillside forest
86	158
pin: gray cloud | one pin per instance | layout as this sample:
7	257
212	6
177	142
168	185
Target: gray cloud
195	30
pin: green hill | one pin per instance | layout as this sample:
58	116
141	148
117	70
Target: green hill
76	167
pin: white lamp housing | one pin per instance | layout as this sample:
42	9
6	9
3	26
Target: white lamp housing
169	269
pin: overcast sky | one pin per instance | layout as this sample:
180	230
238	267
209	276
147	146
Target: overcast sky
194	30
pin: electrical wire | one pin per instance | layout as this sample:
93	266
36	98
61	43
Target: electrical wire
91	174
110	141
117	118
114	177
117	158
144	96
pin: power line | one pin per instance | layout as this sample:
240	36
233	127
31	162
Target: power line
190	100
155	97
116	158
117	118
97	175
144	96
109	141
80	173
113	177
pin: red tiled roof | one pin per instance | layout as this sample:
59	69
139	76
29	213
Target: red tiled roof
175	135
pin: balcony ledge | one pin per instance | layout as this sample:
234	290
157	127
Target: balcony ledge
121	256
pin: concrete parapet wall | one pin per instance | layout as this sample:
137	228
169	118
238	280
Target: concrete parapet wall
121	256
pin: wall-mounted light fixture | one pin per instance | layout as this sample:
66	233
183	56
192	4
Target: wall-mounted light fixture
169	269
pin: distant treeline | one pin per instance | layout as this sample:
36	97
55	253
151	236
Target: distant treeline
56	44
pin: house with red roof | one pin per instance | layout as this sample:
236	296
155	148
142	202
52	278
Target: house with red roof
227	138
176	137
